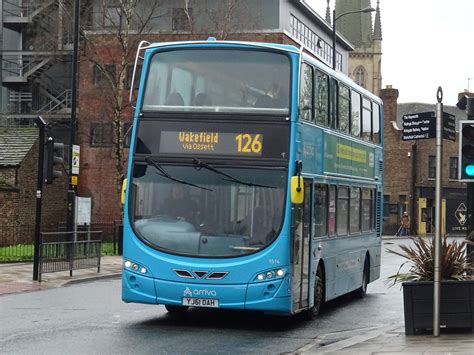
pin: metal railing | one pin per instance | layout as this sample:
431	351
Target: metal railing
23	65
17	240
63	100
68	255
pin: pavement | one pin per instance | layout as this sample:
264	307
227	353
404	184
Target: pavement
17	278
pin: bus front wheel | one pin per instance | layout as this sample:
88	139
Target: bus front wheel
318	295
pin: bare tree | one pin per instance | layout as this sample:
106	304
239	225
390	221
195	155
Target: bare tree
110	35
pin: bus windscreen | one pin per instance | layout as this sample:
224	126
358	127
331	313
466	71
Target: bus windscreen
218	80
207	211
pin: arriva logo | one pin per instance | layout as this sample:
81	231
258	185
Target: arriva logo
187	292
205	292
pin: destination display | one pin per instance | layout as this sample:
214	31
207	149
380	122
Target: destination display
225	139
191	142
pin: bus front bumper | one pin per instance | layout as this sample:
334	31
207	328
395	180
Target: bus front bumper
270	296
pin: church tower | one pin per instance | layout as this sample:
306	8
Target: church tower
366	59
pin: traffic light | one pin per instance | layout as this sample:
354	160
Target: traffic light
466	151
54	154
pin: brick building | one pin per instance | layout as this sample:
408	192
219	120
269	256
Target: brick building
99	134
365	61
18	179
410	168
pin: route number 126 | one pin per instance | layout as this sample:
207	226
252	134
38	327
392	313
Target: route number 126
249	143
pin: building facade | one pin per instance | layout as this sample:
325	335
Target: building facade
104	117
365	61
18	183
35	57
410	168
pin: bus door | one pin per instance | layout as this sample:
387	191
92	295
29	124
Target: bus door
300	248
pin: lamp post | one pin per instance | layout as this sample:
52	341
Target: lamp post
334	19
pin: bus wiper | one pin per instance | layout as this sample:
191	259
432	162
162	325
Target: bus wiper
200	164
163	172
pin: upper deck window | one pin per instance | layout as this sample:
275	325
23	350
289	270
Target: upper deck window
218	80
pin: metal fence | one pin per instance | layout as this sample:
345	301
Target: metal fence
17	240
69	251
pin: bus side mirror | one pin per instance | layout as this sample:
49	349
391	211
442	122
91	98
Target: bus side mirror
124	190
297	190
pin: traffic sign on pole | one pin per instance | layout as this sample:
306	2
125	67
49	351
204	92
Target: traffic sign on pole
419	126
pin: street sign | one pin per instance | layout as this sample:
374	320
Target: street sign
449	126
83	211
76	152
74	180
419	126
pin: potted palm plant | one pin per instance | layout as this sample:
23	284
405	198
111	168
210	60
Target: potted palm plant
457	286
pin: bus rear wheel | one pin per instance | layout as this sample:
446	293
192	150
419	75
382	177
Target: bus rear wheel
362	291
176	309
313	312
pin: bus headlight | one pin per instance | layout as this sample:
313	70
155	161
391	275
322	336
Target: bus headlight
280	272
270	274
132	266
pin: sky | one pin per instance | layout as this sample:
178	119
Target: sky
424	45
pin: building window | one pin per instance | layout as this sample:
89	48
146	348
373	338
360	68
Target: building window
431	167
360	76
101	135
180	20
310	39
453	168
112	16
386	206
98	75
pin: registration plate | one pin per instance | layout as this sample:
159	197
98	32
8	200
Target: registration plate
200	302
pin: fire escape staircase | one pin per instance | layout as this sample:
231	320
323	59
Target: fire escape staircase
22	70
18	15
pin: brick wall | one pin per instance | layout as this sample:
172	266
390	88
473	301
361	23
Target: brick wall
18	202
398	161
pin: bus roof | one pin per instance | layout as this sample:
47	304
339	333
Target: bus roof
211	41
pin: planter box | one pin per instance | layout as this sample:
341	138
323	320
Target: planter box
456	309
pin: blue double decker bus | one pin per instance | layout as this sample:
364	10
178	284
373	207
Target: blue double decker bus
254	181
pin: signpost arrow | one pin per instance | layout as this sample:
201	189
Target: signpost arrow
419	126
449	126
